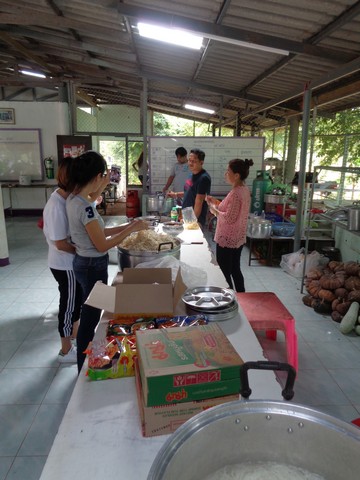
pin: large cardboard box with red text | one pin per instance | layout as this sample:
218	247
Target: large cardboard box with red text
165	419
187	364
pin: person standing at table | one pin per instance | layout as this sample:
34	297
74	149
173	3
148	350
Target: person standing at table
196	187
61	254
232	216
90	238
180	172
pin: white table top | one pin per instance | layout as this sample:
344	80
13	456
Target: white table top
100	434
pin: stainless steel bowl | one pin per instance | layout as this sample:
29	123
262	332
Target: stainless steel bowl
131	258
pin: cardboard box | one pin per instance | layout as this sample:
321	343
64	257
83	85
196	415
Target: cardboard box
144	291
165	419
187	363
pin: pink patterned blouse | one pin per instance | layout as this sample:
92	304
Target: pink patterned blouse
232	218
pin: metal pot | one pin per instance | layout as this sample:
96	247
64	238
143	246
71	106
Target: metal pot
255	431
258	228
277	199
131	258
154	203
354	218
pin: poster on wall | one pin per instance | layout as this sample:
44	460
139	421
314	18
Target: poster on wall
72	145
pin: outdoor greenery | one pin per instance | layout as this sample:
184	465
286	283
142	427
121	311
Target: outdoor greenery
336	141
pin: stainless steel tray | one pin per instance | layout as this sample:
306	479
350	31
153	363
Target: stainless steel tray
208	297
217	315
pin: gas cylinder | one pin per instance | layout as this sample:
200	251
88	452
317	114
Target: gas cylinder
132	204
261	184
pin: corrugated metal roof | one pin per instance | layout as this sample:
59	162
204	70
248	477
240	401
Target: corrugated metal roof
95	45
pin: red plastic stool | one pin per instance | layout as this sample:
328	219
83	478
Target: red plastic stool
265	311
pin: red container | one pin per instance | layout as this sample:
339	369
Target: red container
132	204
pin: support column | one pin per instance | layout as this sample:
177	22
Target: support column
4	250
292	149
302	169
143	119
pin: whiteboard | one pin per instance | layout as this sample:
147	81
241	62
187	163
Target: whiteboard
218	152
20	154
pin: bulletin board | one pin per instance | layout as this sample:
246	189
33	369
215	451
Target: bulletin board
72	145
20	154
218	152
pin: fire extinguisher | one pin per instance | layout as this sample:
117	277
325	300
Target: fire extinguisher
49	167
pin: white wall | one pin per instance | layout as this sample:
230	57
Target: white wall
52	118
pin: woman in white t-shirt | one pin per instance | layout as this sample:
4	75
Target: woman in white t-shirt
60	261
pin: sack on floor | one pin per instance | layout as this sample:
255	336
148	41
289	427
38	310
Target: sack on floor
293	263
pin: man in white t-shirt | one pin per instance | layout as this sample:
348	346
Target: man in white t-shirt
179	173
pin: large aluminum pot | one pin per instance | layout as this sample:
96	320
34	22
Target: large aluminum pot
159	203
276	199
258	228
131	258
255	431
354	217
155	203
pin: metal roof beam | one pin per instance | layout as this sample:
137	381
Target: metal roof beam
231	34
201	86
28	17
328	78
50	39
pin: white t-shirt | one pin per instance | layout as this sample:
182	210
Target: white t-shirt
181	173
56	227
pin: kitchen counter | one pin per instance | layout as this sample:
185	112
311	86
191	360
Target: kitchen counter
100	435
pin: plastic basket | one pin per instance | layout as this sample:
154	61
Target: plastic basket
283	229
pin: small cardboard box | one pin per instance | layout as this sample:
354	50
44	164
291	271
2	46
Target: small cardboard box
166	419
144	291
187	363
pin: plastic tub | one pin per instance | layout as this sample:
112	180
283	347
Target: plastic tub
283	229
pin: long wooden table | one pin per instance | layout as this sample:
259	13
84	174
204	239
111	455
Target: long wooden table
100	435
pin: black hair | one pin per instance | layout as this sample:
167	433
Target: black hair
85	168
199	153
181	151
241	167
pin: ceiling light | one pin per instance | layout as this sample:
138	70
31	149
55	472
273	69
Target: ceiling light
170	35
199	109
33	74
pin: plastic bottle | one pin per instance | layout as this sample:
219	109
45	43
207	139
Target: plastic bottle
174	214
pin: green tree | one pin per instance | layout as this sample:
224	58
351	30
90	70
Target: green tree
338	137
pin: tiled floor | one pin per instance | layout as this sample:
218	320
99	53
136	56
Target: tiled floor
35	389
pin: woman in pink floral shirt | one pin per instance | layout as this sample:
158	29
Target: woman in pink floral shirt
232	215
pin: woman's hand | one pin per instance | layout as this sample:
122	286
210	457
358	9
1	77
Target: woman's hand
137	225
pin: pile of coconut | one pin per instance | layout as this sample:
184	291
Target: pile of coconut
335	290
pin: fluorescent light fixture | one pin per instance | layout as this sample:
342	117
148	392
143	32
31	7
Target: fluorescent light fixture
33	74
199	109
170	35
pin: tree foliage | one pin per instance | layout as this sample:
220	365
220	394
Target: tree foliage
338	138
